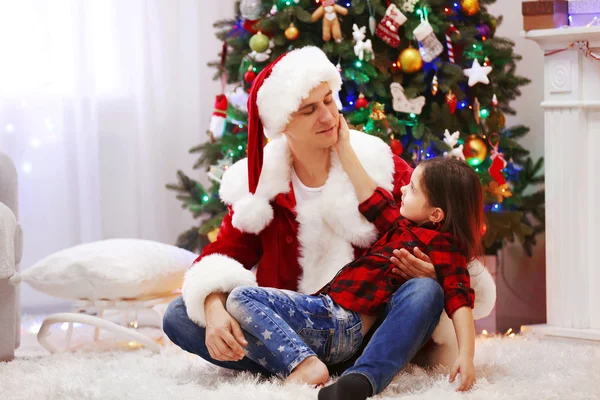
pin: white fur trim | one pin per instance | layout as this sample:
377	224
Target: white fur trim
252	213
213	273
290	82
485	289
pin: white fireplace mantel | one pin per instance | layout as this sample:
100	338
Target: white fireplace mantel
572	144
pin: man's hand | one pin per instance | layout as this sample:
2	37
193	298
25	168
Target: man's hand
465	366
224	337
410	266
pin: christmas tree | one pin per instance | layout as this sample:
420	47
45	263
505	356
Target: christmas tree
429	77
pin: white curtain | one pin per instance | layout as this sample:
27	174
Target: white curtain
99	103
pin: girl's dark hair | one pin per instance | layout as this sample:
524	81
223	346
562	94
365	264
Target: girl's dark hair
452	185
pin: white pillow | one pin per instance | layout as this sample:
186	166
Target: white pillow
111	269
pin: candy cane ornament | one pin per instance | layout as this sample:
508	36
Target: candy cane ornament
449	45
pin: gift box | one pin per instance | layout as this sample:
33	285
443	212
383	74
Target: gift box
545	14
583	12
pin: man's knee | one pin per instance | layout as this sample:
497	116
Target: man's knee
174	319
427	292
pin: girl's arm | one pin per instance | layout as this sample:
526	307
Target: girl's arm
465	333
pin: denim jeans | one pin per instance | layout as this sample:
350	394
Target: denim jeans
292	327
406	325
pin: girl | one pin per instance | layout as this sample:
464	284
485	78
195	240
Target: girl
441	211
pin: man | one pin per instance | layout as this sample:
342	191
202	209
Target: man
294	213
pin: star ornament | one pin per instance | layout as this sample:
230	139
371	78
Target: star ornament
478	74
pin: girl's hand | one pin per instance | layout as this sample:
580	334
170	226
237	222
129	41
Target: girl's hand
343	134
410	266
465	366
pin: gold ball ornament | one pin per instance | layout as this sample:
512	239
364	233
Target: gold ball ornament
292	33
496	121
212	235
470	7
410	60
475	150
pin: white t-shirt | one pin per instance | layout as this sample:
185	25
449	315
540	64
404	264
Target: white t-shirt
302	192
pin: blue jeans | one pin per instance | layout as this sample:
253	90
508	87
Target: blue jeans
406	325
294	326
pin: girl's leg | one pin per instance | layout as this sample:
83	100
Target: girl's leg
295	327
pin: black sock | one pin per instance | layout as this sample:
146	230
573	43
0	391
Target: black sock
348	387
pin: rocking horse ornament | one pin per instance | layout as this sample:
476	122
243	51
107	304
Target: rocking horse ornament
331	24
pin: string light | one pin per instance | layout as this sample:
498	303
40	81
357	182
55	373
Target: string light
27	167
205	198
35	142
413	115
496	206
358	64
240	148
9	128
484	113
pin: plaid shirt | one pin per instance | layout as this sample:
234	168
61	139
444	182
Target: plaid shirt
365	284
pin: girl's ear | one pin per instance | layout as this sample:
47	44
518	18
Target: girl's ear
437	215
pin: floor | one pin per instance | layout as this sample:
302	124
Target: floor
507	366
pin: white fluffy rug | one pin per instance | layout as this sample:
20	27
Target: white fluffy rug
519	368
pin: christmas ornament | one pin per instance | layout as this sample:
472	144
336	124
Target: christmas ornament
477	74
449	45
292	33
484	31
452	101
410	60
216	171
451	141
248	25
238	99
361	102
402	104
378	122
273	10
339	67
249	76
475	150
477	111
396	147
372	20
362	49
495	121
251	9
212	235
259	42
470	7
387	30
378	112
218	118
500	191
409	5
430	45
434	85
498	164
329	10
495	100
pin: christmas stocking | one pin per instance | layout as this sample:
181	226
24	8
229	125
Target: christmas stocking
431	46
387	30
498	164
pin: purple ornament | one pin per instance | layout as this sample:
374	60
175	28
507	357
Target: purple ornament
484	30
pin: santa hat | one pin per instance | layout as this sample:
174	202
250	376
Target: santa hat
277	92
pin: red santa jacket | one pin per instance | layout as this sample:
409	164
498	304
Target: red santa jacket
296	247
366	284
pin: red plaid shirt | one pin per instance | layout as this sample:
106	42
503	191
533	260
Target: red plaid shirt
365	284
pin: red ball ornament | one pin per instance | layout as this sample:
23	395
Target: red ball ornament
396	147
361	102
249	77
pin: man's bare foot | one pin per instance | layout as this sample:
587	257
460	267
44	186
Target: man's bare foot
312	371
